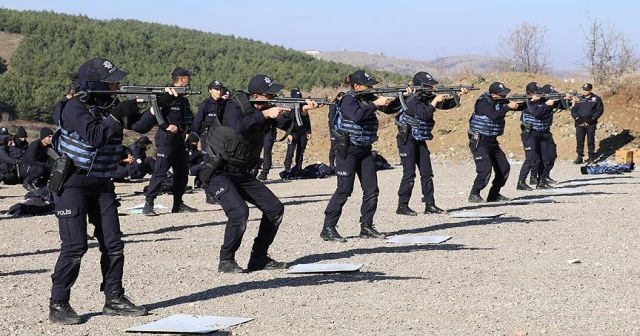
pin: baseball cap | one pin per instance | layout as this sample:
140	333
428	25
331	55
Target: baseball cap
587	86
295	93
263	84
547	88
499	89
180	71
215	84
533	88
424	78
100	70
363	78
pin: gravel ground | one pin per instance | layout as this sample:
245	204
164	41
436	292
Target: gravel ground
503	276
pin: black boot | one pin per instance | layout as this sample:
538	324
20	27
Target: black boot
229	266
522	185
549	180
331	234
404	209
533	180
258	263
498	198
544	185
61	312
263	175
432	208
578	160
368	231
211	199
148	208
120	305
182	208
475	198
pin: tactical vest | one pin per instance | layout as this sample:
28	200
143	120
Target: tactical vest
98	162
483	124
420	129
539	125
237	150
360	134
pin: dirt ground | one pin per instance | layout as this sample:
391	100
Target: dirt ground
503	276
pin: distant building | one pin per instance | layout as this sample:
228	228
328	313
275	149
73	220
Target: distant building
312	52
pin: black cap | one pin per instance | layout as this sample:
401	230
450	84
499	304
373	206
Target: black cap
21	132
262	84
295	93
424	78
180	71
143	140
499	89
4	130
45	132
533	88
547	88
587	86
100	70
215	84
363	78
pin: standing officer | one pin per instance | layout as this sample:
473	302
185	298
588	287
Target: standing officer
208	110
485	126
356	130
585	111
548	147
34	166
414	130
535	121
91	136
332	138
297	140
170	149
235	144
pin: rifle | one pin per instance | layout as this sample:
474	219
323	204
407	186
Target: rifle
526	98
147	93
398	91
292	103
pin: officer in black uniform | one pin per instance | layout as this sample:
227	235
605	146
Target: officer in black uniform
20	143
34	165
8	165
414	130
548	147
536	120
170	149
235	144
297	140
208	110
586	111
91	128
332	139
356	130
485	126
267	157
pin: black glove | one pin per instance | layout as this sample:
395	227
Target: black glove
125	112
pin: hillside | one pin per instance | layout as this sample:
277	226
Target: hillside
444	66
53	45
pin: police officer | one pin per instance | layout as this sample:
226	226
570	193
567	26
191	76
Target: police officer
208	110
267	157
236	143
34	166
91	128
170	149
586	111
297	140
8	165
332	138
548	147
356	130
485	126
415	125
536	120
20	143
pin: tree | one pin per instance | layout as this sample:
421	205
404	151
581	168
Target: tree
608	55
524	49
3	66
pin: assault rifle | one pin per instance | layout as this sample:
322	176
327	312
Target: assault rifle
147	93
292	103
398	91
526	98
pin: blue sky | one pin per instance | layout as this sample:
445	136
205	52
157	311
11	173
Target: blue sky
414	29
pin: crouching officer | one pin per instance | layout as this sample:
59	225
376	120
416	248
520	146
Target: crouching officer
485	126
170	149
414	130
90	136
234	144
356	128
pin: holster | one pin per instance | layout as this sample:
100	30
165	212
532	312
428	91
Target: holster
342	143
403	133
61	168
210	166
